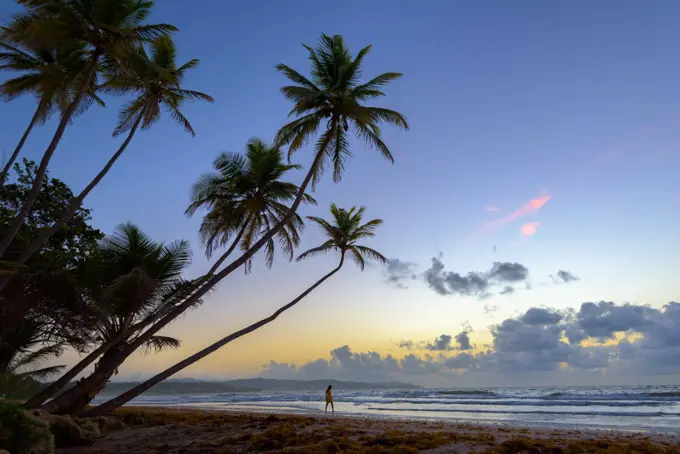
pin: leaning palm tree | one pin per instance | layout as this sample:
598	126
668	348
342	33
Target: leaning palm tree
245	198
130	279
105	27
22	349
334	94
344	234
51	75
156	81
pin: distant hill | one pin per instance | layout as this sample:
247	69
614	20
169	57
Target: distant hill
194	386
271	384
178	387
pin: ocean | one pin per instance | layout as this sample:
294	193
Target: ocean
648	408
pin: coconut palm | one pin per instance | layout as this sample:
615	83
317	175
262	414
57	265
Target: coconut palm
25	347
131	278
344	233
106	27
334	94
51	75
245	198
21	352
156	81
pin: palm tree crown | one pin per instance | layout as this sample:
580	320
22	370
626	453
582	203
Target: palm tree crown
105	26
345	231
131	278
156	80
335	95
51	74
245	198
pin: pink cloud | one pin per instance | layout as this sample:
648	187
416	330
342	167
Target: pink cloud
491	209
530	228
532	206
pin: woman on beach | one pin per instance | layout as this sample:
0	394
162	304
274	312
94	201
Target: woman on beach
329	399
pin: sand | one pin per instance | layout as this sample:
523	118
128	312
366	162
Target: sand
164	430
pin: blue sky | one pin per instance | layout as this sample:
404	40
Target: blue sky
508	102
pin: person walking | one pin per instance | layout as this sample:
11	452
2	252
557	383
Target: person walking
329	399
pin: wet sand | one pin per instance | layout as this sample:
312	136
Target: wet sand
167	430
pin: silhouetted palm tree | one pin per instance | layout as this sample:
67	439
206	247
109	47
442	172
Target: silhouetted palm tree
107	28
246	198
130	279
344	233
156	82
51	75
332	67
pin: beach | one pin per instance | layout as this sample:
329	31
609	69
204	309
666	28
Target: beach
629	408
176	430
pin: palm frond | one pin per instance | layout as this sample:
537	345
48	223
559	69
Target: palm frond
296	77
323	249
157	344
41	374
371	254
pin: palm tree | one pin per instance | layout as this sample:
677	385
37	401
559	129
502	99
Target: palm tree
25	347
156	82
343	234
20	353
335	95
51	75
131	278
242	188
246	198
105	27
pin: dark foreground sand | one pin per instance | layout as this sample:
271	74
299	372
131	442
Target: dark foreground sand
163	430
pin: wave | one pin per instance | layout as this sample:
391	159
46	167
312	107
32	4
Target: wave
514	403
467	393
664	394
540	412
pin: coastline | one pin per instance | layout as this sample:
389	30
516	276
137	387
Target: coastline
592	428
184	430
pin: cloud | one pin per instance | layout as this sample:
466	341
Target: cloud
529	229
540	316
491	308
507	290
540	346
407	344
507	272
399	272
565	277
532	206
440	344
463	340
603	319
491	209
474	283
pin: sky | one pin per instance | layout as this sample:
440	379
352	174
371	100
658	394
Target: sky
531	215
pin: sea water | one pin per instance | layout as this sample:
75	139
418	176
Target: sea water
625	408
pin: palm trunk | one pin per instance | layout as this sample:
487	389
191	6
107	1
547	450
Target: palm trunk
42	169
214	280
20	145
64	380
124	398
76	202
76	399
224	256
